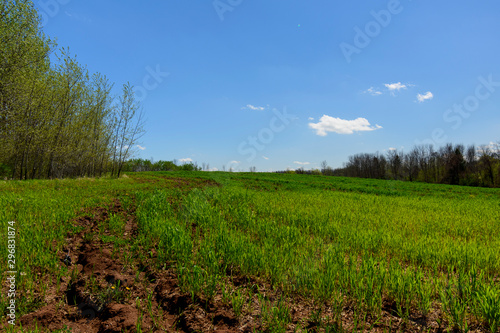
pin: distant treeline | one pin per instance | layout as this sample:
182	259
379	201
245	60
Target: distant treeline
57	119
450	164
138	165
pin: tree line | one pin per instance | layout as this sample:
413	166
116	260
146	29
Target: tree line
139	165
449	164
57	119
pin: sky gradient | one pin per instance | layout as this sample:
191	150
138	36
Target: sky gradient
277	85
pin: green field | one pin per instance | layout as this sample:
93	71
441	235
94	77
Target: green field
279	252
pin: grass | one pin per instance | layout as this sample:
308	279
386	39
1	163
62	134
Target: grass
352	243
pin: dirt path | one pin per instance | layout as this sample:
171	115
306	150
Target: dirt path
105	294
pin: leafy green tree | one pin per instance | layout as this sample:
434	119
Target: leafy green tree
57	119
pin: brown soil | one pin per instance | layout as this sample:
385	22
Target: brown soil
105	294
176	182
86	301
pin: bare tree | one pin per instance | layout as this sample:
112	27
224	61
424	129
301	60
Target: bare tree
486	164
471	163
324	166
325	169
395	163
411	164
129	128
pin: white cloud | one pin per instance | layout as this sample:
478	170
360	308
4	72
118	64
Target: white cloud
341	126
311	118
184	160
255	108
392	149
234	162
372	91
491	147
428	95
395	86
266	158
213	169
141	148
302	163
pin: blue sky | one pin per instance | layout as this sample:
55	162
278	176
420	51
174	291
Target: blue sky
288	84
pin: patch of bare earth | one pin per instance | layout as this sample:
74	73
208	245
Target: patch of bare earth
105	293
99	293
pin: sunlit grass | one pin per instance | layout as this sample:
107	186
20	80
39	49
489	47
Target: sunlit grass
423	247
